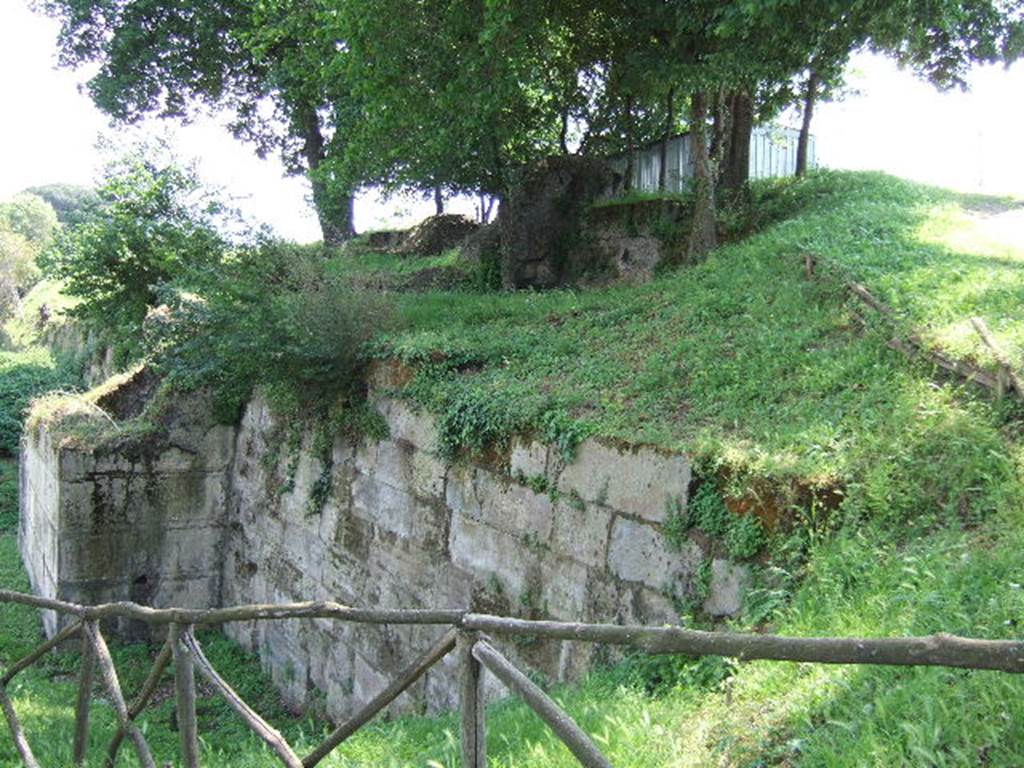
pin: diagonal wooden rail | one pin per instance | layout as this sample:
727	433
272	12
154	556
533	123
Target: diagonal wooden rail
467	633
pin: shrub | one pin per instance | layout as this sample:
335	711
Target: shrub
156	225
269	317
709	512
745	537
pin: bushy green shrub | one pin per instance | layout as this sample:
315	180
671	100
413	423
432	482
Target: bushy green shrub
269	317
156	225
745	537
708	511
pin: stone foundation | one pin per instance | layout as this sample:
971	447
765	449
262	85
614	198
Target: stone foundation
229	518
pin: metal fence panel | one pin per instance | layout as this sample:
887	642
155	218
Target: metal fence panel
772	154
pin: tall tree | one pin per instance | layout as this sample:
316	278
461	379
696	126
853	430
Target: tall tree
171	59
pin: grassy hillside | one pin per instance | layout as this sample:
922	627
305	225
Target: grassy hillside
763	375
750	366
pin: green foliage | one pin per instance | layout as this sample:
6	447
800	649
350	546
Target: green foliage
71	203
223	54
272	316
156	225
27	226
746	364
31	217
659	675
488	271
476	420
708	511
745	537
23	376
8	497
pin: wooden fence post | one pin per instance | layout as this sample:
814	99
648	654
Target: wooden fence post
471	703
85	680
113	685
185	696
17	734
574	737
141	702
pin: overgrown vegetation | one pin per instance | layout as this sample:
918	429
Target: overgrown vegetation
746	363
764	374
23	376
272	316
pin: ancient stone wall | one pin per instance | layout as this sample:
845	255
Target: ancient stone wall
379	523
140	522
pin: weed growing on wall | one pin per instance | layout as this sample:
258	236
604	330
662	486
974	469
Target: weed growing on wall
743	535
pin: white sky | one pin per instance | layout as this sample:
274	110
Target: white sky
48	131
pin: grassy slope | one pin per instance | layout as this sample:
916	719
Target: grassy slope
745	362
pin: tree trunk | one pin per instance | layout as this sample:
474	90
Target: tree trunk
627	183
736	161
804	142
563	133
438	202
333	210
669	122
702	229
721	125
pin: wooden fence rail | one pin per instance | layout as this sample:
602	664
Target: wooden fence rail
468	634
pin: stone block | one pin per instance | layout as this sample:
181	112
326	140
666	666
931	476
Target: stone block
640	482
725	592
367	681
177	461
638	552
486	552
529	459
581	533
406	424
384	505
428	475
512	507
387	461
460	491
218	448
563	589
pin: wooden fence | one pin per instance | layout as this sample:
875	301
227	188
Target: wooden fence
468	634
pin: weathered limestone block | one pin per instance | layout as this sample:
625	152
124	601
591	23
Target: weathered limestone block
581	532
528	459
404	423
501	504
386	461
638	552
725	592
484	552
641	482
